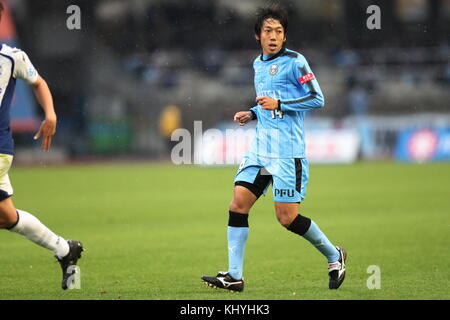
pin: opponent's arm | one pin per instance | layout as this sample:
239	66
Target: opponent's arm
48	126
24	69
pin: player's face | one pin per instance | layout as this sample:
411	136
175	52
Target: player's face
272	37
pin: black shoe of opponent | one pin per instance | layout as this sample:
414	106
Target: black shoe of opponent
69	261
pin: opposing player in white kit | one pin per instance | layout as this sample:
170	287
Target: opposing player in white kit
15	64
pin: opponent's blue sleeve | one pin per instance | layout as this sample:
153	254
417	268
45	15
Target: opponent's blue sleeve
309	93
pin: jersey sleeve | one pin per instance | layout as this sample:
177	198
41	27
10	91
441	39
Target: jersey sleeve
254	111
304	79
23	68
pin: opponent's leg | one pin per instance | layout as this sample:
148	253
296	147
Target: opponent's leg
66	252
31	228
8	214
22	222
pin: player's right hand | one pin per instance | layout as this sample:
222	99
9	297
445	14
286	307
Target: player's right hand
242	117
46	131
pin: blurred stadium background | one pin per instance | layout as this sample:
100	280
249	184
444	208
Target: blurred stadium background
387	91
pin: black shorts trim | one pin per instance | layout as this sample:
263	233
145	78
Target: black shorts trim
250	186
4	195
259	185
298	174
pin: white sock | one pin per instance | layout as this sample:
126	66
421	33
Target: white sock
31	228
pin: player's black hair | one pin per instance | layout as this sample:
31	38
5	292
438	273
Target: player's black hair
272	12
1	7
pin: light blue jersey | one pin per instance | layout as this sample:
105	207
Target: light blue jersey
288	78
277	154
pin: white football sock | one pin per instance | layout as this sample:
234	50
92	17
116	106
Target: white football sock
32	229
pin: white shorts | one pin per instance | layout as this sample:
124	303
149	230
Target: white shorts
6	189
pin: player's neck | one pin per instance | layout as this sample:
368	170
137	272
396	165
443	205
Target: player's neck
265	56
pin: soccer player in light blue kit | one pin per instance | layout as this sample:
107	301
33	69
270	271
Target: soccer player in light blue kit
285	89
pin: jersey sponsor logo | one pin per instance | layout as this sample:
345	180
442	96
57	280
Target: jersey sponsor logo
284	192
274	94
306	78
273	70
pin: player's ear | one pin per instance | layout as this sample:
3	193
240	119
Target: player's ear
257	37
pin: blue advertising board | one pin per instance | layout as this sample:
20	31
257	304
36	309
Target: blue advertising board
423	145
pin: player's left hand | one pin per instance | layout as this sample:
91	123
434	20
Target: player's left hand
267	103
46	131
242	117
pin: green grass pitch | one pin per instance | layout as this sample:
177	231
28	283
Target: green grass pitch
152	230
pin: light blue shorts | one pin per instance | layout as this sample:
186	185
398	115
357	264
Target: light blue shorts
289	177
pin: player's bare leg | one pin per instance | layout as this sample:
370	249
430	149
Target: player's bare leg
286	212
8	214
243	200
27	225
287	215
